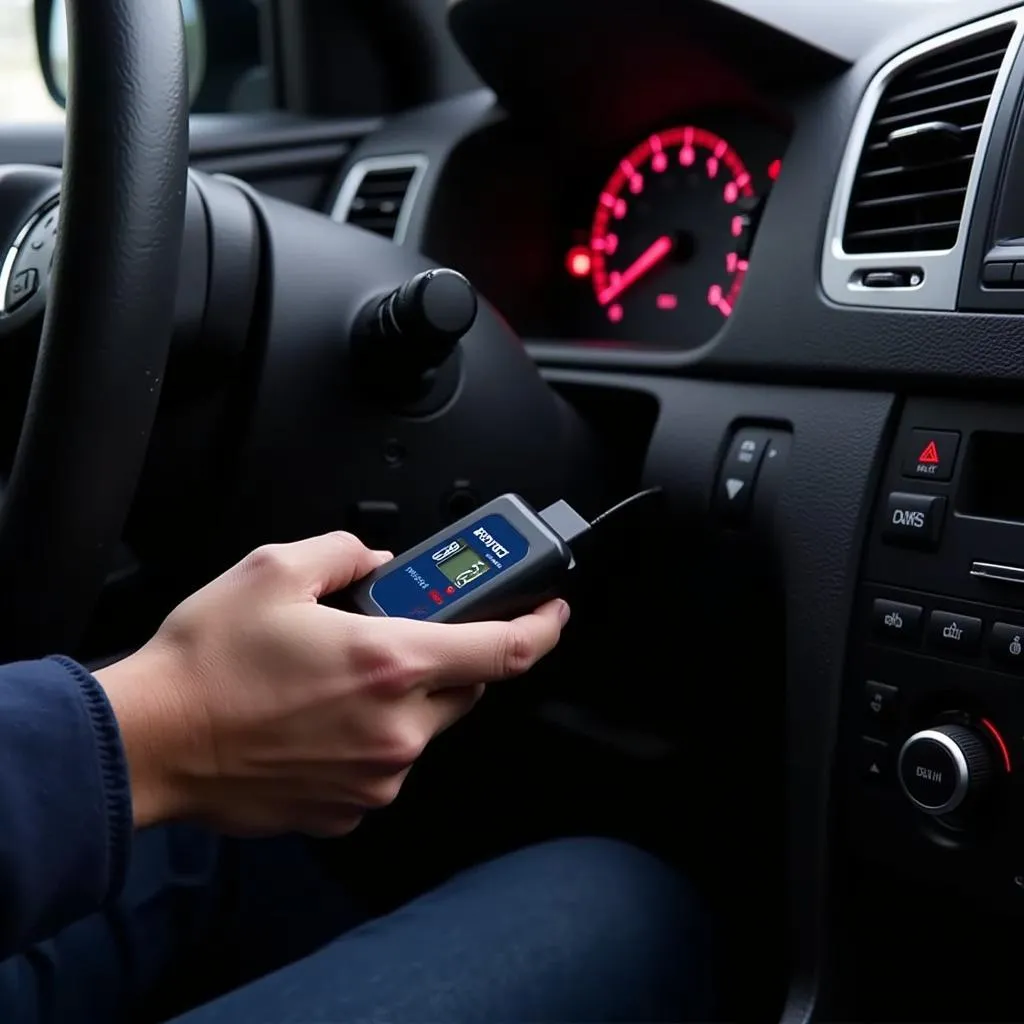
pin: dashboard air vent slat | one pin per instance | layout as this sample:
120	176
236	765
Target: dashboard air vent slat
378	192
911	197
377	203
909	192
988	55
932	113
983	80
881	172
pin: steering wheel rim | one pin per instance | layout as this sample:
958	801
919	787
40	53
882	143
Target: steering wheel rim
109	320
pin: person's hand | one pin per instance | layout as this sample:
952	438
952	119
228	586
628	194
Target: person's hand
259	710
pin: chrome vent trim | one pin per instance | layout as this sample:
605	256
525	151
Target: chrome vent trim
941	279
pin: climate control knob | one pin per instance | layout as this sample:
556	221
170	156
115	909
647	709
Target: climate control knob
944	768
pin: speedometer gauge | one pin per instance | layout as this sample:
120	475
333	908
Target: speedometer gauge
668	242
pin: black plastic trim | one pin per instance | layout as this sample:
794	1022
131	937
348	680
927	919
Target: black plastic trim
815	538
782	328
216	140
1006	154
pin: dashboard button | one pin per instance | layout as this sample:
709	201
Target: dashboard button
885	279
881	702
739	474
931	454
875	760
23	285
1006	645
914	520
941	768
996	273
960	634
896	622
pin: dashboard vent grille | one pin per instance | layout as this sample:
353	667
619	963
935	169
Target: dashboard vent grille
378	194
909	191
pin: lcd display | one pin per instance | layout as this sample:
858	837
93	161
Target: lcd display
464	566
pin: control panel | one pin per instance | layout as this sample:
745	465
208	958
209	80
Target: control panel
932	726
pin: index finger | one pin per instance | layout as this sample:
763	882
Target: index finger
329	563
465	654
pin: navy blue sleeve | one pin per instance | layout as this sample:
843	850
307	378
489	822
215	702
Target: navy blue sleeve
65	802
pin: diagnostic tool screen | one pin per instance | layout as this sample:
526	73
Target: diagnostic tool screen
449	570
464	565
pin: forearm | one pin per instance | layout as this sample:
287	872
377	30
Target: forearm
65	813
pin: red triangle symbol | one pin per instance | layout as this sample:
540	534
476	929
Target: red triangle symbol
930	455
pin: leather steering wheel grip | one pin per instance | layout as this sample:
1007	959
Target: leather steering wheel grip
108	324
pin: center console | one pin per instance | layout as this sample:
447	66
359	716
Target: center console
932	736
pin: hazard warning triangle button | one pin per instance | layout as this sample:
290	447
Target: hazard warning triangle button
930	454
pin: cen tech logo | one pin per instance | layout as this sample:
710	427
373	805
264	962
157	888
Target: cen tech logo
489	542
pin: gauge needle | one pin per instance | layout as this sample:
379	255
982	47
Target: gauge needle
650	258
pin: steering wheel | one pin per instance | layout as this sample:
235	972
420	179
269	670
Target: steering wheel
364	383
108	321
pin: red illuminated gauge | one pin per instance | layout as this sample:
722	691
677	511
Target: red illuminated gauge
668	242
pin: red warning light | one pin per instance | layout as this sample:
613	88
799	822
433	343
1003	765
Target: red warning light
930	455
449	590
774	169
578	261
435	597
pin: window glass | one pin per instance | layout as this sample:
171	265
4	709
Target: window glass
226	69
23	93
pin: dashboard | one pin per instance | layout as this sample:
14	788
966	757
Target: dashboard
634	229
813	272
773	258
668	243
643	239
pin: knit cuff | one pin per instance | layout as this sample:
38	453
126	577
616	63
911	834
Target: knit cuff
113	773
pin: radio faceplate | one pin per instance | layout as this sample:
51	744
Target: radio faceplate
937	653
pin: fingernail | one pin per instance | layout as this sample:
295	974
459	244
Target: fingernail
563	612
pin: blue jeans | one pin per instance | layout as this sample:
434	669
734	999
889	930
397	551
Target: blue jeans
572	930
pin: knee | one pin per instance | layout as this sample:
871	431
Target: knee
605	880
617	919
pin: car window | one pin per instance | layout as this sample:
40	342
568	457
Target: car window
227	69
23	93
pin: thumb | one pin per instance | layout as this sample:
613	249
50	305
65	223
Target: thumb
321	565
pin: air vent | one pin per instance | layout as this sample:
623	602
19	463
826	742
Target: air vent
912	179
378	194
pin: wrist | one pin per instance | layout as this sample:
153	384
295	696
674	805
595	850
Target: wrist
153	728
